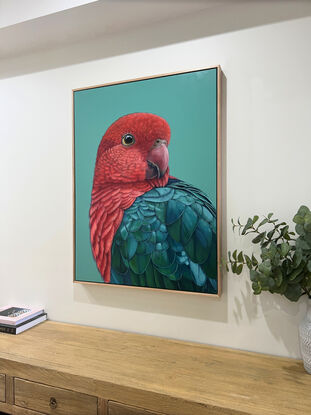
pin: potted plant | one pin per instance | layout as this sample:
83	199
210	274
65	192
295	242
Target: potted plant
283	265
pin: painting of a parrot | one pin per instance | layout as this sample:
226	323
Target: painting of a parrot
148	228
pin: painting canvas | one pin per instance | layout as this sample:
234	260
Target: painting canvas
146	182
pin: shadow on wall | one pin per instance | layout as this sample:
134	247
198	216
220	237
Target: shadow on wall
278	313
170	303
154	301
213	21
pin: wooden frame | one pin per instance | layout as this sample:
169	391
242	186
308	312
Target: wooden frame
218	185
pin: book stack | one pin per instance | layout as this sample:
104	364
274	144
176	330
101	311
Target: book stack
15	320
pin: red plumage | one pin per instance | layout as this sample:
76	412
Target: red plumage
125	170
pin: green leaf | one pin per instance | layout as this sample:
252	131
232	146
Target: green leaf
234	254
293	292
254	275
285	248
269	216
239	269
300	243
256	288
255	219
284	230
265	267
309	265
269	252
240	257
303	210
298	219
308	218
233	267
297	258
259	238
271	283
248	225
308	282
298	279
280	224
300	229
296	272
278	277
307	237
248	261
307	224
264	280
286	267
263	222
254	261
282	288
270	234
276	259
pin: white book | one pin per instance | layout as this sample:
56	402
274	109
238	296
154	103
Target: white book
14	315
7	328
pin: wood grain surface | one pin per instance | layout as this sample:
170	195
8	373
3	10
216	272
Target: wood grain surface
115	408
9	389
102	406
16	410
2	388
35	396
160	375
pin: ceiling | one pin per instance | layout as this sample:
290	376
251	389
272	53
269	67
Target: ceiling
31	26
16	11
41	24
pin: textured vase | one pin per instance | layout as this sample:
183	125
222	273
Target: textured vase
305	340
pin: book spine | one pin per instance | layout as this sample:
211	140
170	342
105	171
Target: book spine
10	330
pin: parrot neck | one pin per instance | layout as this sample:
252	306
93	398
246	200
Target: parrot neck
126	193
109	201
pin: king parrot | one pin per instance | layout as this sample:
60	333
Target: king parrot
148	228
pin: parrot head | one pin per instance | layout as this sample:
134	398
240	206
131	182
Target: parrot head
133	149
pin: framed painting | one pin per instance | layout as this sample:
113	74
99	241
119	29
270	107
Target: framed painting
147	182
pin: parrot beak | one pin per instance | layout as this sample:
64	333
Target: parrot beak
157	160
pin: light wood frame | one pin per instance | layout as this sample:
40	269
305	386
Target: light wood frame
218	179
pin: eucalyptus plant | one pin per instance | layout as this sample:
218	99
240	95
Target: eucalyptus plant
283	264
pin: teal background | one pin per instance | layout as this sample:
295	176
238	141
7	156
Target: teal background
187	101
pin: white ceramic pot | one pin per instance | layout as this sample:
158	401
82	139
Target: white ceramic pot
305	339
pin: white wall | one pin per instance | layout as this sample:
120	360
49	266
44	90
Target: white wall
266	166
17	11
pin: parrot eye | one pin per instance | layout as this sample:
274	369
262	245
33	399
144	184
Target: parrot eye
128	140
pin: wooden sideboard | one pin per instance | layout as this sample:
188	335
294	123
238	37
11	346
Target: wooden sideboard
60	369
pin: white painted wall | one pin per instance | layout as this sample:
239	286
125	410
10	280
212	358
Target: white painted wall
17	11
266	166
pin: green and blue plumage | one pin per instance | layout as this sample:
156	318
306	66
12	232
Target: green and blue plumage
167	239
